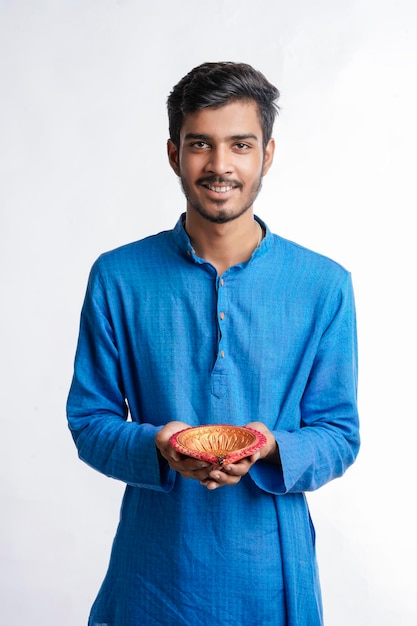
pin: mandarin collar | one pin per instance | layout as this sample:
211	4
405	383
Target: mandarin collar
182	240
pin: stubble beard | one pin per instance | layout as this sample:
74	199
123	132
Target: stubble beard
223	215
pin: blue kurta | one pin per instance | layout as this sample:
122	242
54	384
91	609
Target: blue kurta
164	338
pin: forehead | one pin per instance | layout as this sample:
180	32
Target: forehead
231	120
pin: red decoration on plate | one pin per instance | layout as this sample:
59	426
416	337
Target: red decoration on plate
218	443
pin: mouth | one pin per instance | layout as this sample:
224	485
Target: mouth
219	186
219	189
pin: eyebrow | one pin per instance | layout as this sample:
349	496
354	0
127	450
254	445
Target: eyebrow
203	137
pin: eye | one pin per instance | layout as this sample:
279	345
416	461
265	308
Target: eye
199	145
242	146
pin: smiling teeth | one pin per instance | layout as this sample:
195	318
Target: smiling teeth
220	189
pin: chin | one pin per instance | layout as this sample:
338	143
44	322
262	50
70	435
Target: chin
219	216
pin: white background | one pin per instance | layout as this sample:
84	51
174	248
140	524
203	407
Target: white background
83	130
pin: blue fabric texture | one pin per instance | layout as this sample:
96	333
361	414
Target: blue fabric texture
162	338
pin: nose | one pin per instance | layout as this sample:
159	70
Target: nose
219	161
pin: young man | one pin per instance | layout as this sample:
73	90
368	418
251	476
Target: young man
216	321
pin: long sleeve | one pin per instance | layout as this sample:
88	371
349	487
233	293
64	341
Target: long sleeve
97	409
327	441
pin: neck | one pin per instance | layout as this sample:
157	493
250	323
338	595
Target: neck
224	245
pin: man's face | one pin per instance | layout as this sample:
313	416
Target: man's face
221	161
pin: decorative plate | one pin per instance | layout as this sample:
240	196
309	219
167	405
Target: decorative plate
218	443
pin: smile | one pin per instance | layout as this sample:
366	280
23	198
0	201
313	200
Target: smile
217	189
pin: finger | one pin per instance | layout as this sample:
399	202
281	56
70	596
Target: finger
210	484
190	468
237	469
174	455
215	479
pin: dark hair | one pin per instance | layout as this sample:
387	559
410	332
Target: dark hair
212	85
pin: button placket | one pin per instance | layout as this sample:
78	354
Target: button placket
219	376
221	317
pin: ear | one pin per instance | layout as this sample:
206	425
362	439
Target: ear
173	156
268	156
